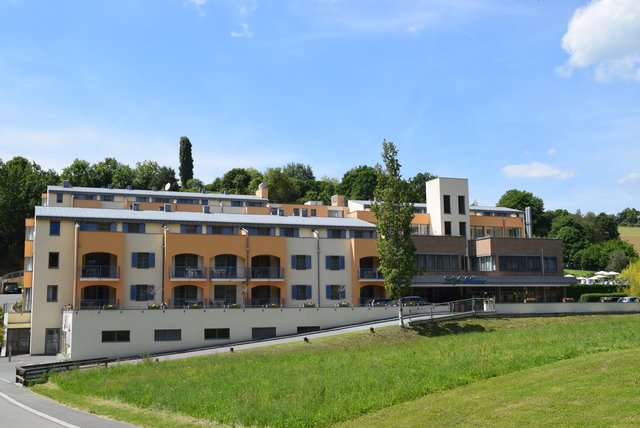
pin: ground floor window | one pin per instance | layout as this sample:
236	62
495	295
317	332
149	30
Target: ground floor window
307	328
258	333
115	336
217	333
167	335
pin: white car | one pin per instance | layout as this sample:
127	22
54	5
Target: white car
628	299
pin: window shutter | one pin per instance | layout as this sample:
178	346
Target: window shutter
134	292
134	259
150	288
341	262
272	231
294	292
308	291
343	293
125	227
328	292
112	227
296	233
327	262
308	262
293	262
152	260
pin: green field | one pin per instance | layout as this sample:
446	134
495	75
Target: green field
631	235
480	372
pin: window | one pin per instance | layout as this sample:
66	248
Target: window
314	212
307	328
258	333
54	260
477	232
236	203
494	231
261	231
304	212
224	294
462	228
336	234
29	233
54	228
335	292
28	264
167	335
550	264
52	293
296	212
133	227
300	292
220	230
142	199
97	227
446	204
461	205
143	260
190	228
520	263
106	198
300	262
59	197
142	292
436	262
447	228
115	336
216	333
289	232
85	197
484	264
364	234
187	201
513	232
334	262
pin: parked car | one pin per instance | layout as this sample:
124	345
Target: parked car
12	289
628	299
414	301
379	301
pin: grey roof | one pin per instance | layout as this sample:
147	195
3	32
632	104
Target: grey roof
101	214
153	193
494	209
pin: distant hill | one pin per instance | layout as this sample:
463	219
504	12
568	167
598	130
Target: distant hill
631	235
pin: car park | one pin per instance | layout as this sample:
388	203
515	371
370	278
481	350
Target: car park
12	289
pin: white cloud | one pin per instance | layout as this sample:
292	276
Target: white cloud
605	35
551	152
536	170
629	178
243	33
198	3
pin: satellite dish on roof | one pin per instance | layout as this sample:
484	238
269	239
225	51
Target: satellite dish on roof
167	186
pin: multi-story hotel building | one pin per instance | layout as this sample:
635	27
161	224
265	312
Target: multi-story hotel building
99	261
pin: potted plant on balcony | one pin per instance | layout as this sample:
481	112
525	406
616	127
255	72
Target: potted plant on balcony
308	305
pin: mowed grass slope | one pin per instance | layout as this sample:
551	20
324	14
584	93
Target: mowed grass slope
337	379
631	235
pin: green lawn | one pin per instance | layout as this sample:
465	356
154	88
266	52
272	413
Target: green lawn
631	235
342	378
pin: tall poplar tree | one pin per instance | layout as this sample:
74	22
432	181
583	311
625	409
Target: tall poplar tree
394	213
186	161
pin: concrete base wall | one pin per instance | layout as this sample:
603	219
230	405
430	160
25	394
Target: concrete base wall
565	308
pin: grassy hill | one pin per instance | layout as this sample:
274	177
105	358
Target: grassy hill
631	235
340	379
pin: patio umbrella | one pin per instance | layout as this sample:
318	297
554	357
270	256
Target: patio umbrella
613	273
601	272
569	275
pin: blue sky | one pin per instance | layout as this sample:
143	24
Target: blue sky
542	96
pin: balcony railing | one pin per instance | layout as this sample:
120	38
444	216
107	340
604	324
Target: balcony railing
188	272
98	303
228	272
370	274
267	301
267	273
101	272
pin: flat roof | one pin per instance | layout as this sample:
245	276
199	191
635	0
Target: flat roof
153	193
104	214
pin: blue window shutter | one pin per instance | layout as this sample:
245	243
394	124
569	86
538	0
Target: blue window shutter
341	262
308	291
308	262
296	233
327	262
294	292
327	291
134	292
125	227
142	227
134	259
293	262
343	293
152	260
112	227
272	231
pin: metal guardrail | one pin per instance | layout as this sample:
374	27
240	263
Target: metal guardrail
450	310
37	373
11	275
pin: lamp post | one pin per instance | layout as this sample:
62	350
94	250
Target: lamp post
316	235
245	290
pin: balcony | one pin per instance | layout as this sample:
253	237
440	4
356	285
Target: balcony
101	273
267	273
98	304
370	274
228	273
188	272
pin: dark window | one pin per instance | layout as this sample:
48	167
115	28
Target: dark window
236	203
142	199
550	264
142	292
462	227
261	231
314	212
52	293
307	328
54	260
519	263
446	204
217	333
300	292
263	332
106	198
336	233
133	227
289	232
447	228
334	262
461	205
300	262
436	262
219	230
296	211
115	336
54	228
97	227
85	197
59	197
364	234
167	335
190	228
335	292
143	260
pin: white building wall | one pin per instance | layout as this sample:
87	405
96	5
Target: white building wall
147	243
436	189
